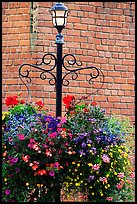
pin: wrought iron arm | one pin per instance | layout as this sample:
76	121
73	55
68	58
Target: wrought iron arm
74	73
26	73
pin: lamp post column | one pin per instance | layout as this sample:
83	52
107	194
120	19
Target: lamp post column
59	42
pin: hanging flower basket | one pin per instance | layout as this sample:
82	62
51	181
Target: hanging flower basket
84	153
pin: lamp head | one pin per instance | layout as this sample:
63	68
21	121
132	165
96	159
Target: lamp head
59	14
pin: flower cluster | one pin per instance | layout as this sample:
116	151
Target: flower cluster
83	152
101	164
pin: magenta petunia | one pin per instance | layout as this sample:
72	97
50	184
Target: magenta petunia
7	191
51	173
21	136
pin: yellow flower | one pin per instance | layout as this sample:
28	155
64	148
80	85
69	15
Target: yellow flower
108	185
71	183
73	163
5	179
90	164
41	185
101	194
3	117
124	168
67	185
77	184
110	154
92	193
38	185
119	150
128	162
80	155
115	173
27	184
125	162
80	173
90	187
107	175
89	145
4	114
78	164
125	155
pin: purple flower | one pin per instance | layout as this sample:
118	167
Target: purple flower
17	170
51	173
7	191
82	152
83	145
91	178
89	141
92	120
14	160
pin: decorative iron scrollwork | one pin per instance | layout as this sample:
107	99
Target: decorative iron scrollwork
25	73
48	58
95	72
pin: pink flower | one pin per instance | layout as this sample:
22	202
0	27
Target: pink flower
30	145
120	175
63	120
105	158
119	186
95	167
35	147
52	135
104	179
21	136
32	140
132	175
109	198
70	135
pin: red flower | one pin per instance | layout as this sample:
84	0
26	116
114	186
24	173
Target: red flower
86	110
35	166
42	172
22	102
25	158
67	100
12	101
40	104
94	103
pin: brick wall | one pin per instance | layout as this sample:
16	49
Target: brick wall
100	34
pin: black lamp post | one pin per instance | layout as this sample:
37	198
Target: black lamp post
59	18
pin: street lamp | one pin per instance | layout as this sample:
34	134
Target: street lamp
59	14
59	18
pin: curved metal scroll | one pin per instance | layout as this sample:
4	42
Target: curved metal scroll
43	75
74	74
